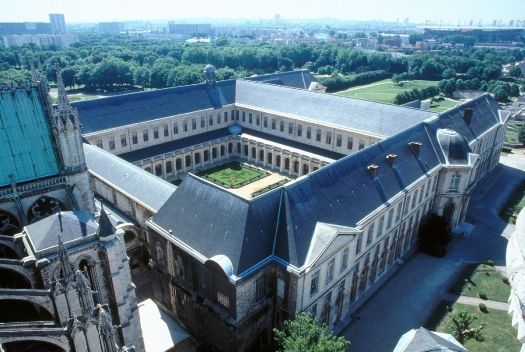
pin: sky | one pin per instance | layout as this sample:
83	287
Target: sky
449	11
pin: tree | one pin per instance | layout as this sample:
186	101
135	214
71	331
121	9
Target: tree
303	334
521	134
515	71
414	38
434	235
449	73
460	327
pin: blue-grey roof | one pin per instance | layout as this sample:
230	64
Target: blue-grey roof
296	79
356	114
128	178
71	226
214	222
121	110
177	144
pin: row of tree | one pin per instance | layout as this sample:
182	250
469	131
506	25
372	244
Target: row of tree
340	82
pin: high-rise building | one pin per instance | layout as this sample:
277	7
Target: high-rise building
58	23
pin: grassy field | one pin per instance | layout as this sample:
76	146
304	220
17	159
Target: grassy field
443	105
384	91
499	334
514	204
233	175
482	279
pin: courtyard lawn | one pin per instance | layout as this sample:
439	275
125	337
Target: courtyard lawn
443	105
499	334
384	91
482	279
514	204
233	175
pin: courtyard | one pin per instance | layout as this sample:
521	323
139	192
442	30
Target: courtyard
243	179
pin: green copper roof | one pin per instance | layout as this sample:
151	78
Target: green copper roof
26	148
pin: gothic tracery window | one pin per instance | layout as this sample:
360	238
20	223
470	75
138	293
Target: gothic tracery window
43	207
9	225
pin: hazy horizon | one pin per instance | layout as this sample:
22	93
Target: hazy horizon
449	11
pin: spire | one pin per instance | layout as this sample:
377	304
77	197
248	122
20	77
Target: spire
105	227
63	102
106	330
67	268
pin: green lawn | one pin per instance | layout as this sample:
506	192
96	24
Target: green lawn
269	188
514	204
384	91
499	334
443	105
482	279
233	175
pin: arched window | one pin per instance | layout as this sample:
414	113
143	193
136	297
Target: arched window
206	155
254	153
197	158
278	161
43	207
213	153
9	225
158	170
269	158
296	166
230	148
287	164
188	161
148	169
169	167
88	267
305	169
454	182
261	155
178	164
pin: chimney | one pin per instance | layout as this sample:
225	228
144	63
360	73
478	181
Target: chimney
415	147
372	168
467	115
390	158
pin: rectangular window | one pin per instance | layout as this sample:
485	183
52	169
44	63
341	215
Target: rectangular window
257	120
299	130
350	143
339	140
259	288
328	138
389	221
407	204
250	118
145	135
203	121
166	129
427	188
361	144
330	270
370	234
226	116
290	128
155	133
380	227
344	260
414	198
313	311
193	124
281	126
398	213
185	126
223	300
134	138
244	116
359	244
454	183
236	115
420	197
274	122
314	283
265	121
210	121
98	143
309	132
175	128
123	141
111	143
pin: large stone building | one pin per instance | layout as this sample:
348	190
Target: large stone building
65	282
359	178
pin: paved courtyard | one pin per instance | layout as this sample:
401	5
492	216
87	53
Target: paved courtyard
408	298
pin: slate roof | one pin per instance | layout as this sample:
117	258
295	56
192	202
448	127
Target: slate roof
423	340
121	110
182	143
214	221
355	114
296	79
146	188
71	226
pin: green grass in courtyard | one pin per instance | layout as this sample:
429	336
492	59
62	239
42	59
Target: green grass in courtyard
443	105
482	279
514	204
233	175
384	91
499	334
269	188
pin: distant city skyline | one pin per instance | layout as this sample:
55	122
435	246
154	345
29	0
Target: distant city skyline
445	11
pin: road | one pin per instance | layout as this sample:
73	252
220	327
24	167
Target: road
408	298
